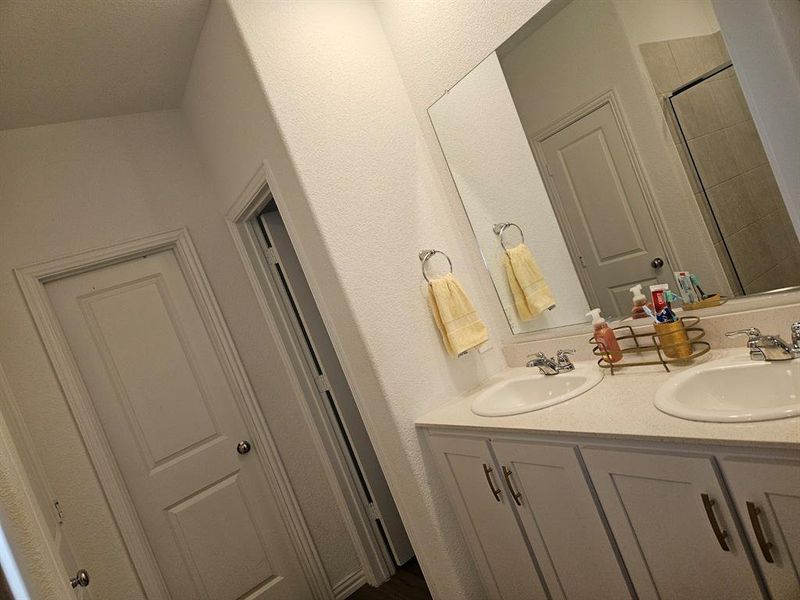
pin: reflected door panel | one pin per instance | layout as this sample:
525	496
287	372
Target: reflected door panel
615	239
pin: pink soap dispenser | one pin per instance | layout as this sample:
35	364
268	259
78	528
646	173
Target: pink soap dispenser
604	335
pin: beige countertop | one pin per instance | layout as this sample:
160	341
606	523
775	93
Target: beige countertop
620	406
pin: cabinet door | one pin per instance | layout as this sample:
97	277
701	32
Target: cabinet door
490	527
672	522
562	520
767	497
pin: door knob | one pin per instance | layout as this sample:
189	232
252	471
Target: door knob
657	263
243	447
81	579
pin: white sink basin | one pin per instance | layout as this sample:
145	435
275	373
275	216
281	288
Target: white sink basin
525	390
733	389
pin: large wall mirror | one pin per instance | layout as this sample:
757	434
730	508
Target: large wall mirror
615	135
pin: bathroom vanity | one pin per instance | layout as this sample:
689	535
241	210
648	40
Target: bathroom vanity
605	497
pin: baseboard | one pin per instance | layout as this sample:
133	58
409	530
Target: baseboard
349	584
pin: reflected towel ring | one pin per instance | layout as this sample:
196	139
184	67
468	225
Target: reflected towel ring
500	229
426	255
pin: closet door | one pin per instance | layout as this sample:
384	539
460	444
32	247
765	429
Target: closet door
154	373
562	520
767	496
336	397
483	507
670	517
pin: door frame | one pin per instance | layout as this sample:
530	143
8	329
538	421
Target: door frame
32	279
536	141
20	510
377	565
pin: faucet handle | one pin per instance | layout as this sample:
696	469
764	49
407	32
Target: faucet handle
562	358
753	333
796	330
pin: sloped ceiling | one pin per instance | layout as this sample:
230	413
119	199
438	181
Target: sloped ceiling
65	60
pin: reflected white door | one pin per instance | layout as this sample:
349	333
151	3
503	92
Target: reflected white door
613	233
172	420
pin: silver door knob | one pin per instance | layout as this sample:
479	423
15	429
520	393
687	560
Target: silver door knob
657	263
243	447
81	579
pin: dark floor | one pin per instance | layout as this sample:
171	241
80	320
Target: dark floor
407	584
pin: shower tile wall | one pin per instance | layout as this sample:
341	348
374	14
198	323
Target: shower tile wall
730	160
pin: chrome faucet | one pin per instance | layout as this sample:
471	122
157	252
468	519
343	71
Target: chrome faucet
552	366
770	347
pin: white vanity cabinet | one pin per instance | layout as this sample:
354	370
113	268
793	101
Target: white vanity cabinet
604	519
767	497
534	495
676	531
483	507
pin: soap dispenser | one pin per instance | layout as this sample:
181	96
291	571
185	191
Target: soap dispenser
639	302
604	336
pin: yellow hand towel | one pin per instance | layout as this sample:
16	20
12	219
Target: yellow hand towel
532	295
455	316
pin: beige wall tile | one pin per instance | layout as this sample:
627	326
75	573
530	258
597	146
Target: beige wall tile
731	108
745	144
687	58
763	189
661	66
785	274
727	267
714	158
710	52
697	110
733	206
753	252
722	49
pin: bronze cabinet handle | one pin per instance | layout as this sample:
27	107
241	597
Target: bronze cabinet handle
514	494
766	547
487	470
721	534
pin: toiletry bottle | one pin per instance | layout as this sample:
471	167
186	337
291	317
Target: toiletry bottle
604	335
639	302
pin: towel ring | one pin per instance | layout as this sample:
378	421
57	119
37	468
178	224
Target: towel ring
426	255
500	229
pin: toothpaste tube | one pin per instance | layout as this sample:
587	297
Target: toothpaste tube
658	293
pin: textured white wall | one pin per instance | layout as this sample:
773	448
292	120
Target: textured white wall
498	180
69	187
229	119
435	44
362	199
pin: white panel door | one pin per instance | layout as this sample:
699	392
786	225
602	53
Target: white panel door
663	510
561	520
767	496
172	420
605	206
483	508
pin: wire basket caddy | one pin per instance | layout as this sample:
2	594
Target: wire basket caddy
635	346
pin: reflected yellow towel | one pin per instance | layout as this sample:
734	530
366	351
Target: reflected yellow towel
455	316
532	295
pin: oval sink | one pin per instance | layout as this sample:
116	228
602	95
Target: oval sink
732	390
528	390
